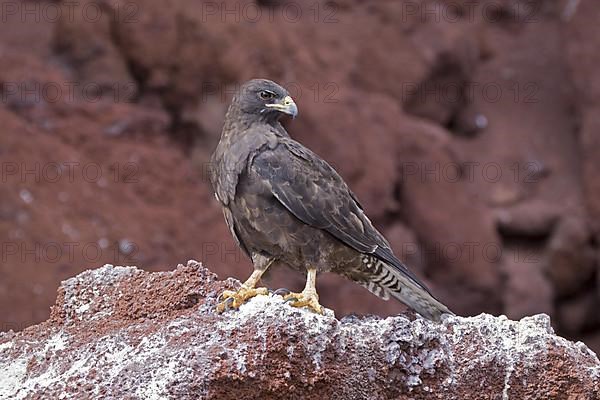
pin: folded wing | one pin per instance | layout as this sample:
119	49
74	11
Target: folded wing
316	194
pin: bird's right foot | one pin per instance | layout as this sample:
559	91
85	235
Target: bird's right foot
234	299
308	299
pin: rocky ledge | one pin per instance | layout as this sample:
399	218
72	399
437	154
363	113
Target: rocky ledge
122	333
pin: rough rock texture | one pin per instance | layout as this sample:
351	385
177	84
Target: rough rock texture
469	130
119	332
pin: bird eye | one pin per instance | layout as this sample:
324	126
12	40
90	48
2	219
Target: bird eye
266	95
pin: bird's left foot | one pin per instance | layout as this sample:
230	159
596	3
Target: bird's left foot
308	299
235	299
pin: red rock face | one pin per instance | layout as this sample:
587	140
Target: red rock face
117	332
468	133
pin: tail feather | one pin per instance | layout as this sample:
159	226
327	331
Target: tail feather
386	280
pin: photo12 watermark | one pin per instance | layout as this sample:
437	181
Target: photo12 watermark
54	252
70	92
433	252
69	11
468	252
29	172
529	172
317	92
317	12
464	92
527	11
471	171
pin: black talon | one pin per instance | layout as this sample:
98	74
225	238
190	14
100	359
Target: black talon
282	291
220	298
227	303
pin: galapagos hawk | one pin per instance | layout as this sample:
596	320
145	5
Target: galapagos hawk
283	203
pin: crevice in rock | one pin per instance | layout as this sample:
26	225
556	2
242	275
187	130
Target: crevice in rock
268	3
182	132
442	94
137	73
527	240
397	214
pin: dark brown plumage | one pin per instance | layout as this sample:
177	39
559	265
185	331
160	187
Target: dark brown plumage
283	203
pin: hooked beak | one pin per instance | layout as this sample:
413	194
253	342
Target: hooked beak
286	106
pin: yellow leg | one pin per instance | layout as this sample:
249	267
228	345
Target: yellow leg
309	297
234	299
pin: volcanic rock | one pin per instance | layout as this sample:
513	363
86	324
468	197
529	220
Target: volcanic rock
119	332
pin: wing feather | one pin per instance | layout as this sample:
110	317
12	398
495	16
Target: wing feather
317	195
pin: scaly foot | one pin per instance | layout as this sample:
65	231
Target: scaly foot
234	299
308	299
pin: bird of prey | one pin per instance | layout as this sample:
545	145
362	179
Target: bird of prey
283	203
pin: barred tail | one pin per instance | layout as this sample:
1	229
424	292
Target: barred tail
385	280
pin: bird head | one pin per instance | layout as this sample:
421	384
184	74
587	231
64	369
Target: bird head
264	99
